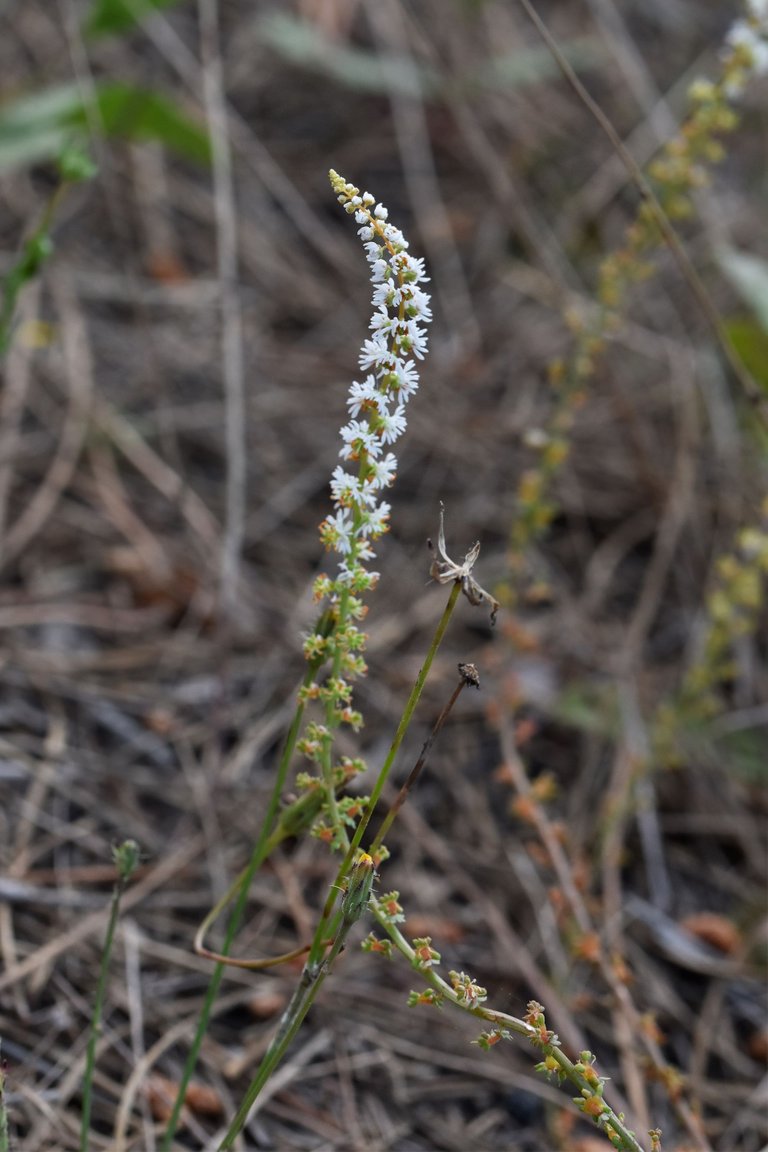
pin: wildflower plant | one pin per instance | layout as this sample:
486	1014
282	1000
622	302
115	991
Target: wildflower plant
732	613
377	418
681	169
334	649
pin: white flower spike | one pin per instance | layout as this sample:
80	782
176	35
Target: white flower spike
377	404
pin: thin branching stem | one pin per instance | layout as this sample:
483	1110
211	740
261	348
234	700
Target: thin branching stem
546	1043
415	772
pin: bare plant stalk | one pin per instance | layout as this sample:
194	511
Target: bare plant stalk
126	858
354	904
468	675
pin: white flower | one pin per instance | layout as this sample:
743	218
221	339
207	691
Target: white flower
380	269
362	394
385	296
395	238
375	521
348	490
336	531
758	10
349	572
417	337
405	378
418	304
392	424
383	323
400	309
364	550
359	437
375	353
375	253
412	268
384	470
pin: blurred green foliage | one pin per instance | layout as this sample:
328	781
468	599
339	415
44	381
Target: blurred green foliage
40	126
112	17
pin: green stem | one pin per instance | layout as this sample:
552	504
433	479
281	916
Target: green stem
405	720
4	1139
407	716
331	721
316	968
98	1008
312	978
264	845
407	787
566	1068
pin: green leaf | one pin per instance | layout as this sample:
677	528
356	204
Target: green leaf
36	128
110	17
750	340
139	114
749	276
40	127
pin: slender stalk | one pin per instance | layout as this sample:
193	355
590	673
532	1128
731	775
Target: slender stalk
353	906
383	776
402	795
126	858
264	845
74	166
309	985
407	716
332	722
337	925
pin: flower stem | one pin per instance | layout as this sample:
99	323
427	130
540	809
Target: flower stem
337	924
402	728
264	845
309	985
402	795
126	858
407	716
